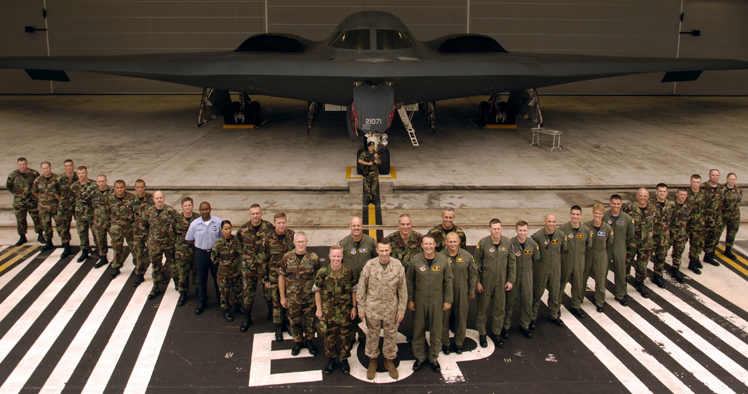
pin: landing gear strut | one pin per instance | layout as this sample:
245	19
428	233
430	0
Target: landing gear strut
244	111
496	112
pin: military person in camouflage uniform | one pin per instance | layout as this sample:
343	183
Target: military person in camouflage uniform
661	236
678	232
227	254
440	231
698	198
497	268
527	253
66	210
405	242
464	278
252	236
546	273
84	191
19	183
157	223
623	227
639	252
139	251
382	294
731	213
712	215
335	297
358	248
369	162
46	189
578	240
277	244
296	275
102	224
121	206
184	250
597	258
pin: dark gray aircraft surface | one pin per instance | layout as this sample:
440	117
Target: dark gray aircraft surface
370	66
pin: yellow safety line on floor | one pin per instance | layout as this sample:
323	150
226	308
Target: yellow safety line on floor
238	126
372	220
735	265
350	170
737	256
10	251
20	256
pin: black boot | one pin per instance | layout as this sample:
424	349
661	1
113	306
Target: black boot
247	320
279	333
102	262
310	346
164	279
504	333
483	341
698	263
296	349
641	288
330	365
114	274
182	298
659	281
138	280
675	272
728	252
710	258
65	250
22	240
48	246
40	238
526	333
176	283
155	291
532	325
345	367
238	309
84	256
228	316
270	313
694	267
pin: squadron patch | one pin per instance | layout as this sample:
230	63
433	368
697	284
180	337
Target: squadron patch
571	236
518	254
491	249
601	233
423	268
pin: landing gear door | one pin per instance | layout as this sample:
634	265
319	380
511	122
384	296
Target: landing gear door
374	106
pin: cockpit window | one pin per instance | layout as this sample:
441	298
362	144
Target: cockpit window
353	39
392	39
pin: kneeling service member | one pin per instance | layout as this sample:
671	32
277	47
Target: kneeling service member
546	273
381	295
527	253
496	272
623	227
335	297
597	255
227	253
295	283
465	276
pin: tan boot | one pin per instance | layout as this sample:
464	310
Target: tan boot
372	371
390	365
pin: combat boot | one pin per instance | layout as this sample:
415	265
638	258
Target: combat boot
371	372
48	246
330	365
532	325
84	256
698	263
694	267
40	238
182	298
270	313
228	316
247	320
728	252
659	281
710	258
390	366
483	341
102	262
504	333
155	291
65	250
239	309
138	280
176	283
675	272
310	346
445	350
114	273
641	288
345	367
22	240
164	279
296	349
278	333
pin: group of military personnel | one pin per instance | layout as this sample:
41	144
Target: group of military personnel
370	283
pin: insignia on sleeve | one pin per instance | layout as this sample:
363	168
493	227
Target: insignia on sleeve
477	246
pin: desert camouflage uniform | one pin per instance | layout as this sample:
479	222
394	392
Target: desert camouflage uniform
337	294
47	190
382	294
66	210
678	231
159	228
713	215
404	251
101	219
252	262
274	248
731	214
227	254
696	223
440	236
661	235
642	244
371	176
139	237
526	257
300	274
184	252
572	262
84	211
596	260
121	219
464	278
23	200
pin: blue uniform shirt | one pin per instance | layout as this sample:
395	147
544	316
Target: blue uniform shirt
205	234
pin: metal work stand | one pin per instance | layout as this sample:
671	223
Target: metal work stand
555	133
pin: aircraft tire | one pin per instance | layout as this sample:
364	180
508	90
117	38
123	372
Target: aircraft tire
255	111
483	109
384	167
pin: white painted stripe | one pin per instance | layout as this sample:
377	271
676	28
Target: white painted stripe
3	248
606	357
668	346
25	287
14	270
263	354
143	370
716	307
34	356
658	370
75	351
104	368
22	325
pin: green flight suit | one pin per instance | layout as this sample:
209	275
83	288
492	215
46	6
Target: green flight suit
429	287
464	278
526	256
496	266
623	226
546	273
597	258
356	254
572	263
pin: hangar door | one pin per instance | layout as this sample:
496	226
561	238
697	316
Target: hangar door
16	16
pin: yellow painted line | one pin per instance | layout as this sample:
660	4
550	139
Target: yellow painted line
10	252
501	126
18	257
735	265
238	126
216	127
737	256
351	170
372	220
